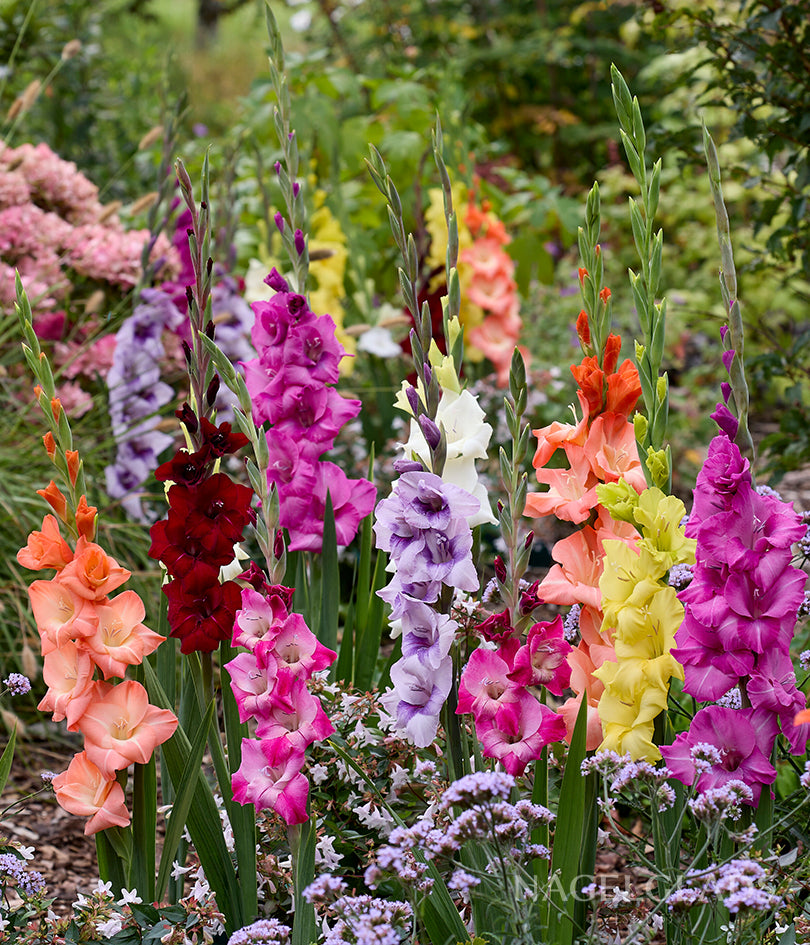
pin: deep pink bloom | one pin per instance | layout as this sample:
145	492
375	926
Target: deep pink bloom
259	619
270	778
744	738
537	727
486	691
300	722
297	649
542	660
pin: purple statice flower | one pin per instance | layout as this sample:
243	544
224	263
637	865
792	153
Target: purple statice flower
27	882
262	932
480	787
326	888
461	881
17	684
743	739
571	623
715	804
363	920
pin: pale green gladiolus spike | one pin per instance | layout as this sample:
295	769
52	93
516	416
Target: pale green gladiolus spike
619	498
659	467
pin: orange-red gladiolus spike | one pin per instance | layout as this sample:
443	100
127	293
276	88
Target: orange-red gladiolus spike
55	499
86	519
50	444
72	457
583	328
613	346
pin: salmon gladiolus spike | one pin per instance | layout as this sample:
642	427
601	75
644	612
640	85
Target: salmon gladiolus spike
121	727
83	790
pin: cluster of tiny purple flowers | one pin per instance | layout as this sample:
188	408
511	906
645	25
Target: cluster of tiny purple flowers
359	920
740	611
486	817
423	526
735	884
28	883
262	932
291	385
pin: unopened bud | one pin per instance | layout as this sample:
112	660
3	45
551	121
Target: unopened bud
413	399
212	391
279	218
278	544
500	569
300	242
431	432
188	418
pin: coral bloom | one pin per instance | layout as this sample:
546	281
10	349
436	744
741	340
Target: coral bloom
45	549
84	791
121	639
92	573
121	727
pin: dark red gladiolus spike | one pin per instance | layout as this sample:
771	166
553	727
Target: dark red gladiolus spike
221	440
185	468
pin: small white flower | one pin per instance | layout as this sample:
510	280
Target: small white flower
178	870
619	896
103	889
27	853
80	902
3	924
110	927
325	854
318	773
129	896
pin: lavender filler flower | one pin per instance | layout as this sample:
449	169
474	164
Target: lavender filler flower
17	684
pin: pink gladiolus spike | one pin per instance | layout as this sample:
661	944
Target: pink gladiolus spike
259	619
298	650
542	661
537	727
84	791
121	727
487	691
272	782
304	724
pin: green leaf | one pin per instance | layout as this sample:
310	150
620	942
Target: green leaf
144	828
304	927
567	850
182	803
202	820
7	757
330	580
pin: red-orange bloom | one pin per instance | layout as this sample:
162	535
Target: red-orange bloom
583	328
50	444
72	457
55	499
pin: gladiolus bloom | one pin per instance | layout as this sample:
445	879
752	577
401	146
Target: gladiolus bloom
121	727
84	791
45	549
